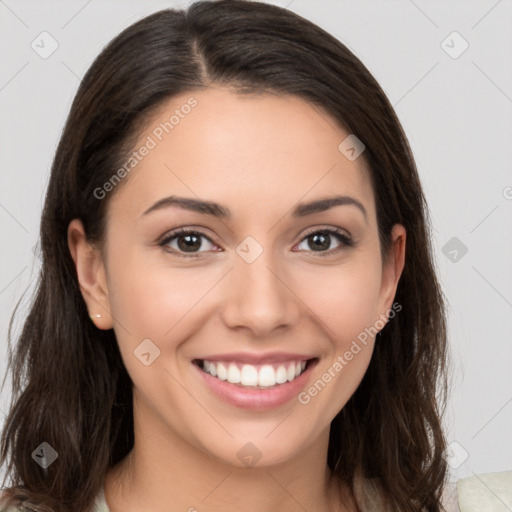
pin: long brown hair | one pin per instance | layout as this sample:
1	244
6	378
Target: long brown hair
70	387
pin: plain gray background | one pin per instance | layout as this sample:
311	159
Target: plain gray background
455	106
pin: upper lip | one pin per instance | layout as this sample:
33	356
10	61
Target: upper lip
251	358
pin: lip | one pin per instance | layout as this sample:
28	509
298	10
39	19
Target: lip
256	399
256	359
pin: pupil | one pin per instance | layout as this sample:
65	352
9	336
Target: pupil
189	244
318	237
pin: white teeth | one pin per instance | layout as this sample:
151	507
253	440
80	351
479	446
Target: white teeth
281	375
264	376
249	375
233	374
267	376
222	372
291	371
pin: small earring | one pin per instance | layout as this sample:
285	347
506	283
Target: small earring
97	315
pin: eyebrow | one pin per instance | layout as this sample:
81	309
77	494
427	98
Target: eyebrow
219	211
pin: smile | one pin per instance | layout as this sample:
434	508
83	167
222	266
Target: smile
254	376
255	383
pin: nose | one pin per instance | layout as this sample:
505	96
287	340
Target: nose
261	297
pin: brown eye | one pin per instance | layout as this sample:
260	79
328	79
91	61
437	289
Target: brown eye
321	241
186	241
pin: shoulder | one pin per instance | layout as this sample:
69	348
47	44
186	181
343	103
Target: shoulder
450	498
486	491
100	504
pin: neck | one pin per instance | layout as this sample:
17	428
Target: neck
164	469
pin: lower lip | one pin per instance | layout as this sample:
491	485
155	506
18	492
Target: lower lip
256	399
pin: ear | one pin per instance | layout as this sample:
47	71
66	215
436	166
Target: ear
91	275
392	269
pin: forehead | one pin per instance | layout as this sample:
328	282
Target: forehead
253	152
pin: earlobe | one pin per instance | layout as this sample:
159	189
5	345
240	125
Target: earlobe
91	275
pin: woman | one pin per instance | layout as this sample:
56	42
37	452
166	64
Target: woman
237	295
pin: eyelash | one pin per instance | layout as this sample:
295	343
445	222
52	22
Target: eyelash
346	241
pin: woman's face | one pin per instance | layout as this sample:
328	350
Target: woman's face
262	289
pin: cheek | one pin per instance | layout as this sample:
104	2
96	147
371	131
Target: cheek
345	298
348	311
151	300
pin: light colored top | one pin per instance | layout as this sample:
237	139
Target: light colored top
491	492
100	505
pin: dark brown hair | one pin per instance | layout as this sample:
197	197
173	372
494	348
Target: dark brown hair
70	387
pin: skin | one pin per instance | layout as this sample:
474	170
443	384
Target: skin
258	155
